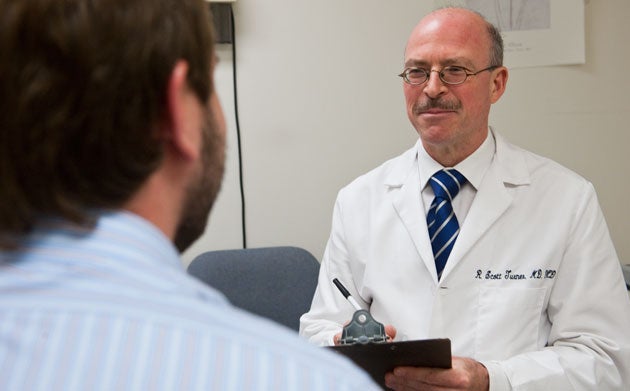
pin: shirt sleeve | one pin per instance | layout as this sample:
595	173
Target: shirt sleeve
330	310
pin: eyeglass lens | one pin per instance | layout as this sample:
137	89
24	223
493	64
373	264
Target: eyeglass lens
449	75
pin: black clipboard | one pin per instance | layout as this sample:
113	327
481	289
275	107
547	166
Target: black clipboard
379	358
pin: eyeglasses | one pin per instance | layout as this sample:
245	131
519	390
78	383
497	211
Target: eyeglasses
451	75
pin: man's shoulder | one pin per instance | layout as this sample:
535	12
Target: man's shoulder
259	344
184	332
256	345
526	165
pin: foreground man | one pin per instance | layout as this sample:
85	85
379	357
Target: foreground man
111	149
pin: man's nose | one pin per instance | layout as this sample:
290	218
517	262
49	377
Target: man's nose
434	86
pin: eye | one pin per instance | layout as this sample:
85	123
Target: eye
454	71
416	73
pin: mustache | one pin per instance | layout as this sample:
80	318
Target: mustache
439	103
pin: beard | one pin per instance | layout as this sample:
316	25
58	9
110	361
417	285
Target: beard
202	191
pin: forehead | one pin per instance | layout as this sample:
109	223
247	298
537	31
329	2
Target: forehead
449	36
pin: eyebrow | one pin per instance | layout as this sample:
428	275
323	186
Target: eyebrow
461	61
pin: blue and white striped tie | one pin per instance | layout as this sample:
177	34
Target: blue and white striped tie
441	220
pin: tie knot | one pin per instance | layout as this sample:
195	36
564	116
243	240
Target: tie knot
446	183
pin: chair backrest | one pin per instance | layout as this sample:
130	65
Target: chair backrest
275	282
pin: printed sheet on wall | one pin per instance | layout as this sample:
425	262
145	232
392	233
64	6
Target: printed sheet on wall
535	32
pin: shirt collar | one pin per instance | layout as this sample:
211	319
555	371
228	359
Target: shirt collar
473	167
118	238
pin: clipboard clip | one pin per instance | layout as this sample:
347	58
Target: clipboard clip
363	329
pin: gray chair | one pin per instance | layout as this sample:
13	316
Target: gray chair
274	282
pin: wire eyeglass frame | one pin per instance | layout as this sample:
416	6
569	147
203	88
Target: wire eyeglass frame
442	75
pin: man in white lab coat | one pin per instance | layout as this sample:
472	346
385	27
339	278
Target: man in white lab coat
532	295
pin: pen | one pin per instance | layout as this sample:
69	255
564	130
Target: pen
346	294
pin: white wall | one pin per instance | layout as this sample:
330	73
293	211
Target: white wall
320	104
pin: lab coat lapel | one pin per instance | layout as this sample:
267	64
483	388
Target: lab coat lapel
404	187
491	201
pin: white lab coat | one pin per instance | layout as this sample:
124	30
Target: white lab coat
533	287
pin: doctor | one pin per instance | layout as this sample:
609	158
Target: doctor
522	276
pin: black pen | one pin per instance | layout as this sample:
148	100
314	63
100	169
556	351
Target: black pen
346	294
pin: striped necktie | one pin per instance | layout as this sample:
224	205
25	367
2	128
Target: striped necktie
441	220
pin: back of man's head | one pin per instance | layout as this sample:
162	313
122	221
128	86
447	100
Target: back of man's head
82	94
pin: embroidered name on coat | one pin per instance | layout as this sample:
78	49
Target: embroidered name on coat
509	274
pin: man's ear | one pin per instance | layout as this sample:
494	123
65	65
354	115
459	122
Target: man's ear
499	81
182	119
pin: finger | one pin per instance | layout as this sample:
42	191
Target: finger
416	377
402	383
390	331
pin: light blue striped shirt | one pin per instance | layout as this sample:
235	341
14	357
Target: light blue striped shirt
113	309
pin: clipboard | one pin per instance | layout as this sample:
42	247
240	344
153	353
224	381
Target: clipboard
379	358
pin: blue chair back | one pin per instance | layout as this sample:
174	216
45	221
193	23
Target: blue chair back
274	282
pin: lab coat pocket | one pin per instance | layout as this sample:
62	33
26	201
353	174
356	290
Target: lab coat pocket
508	321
